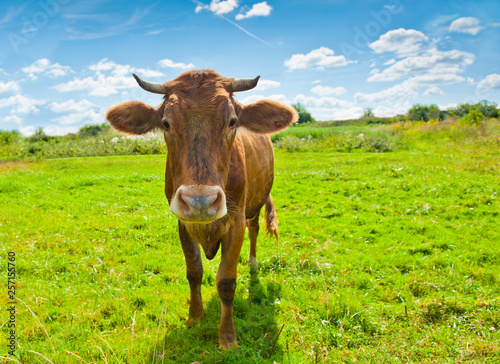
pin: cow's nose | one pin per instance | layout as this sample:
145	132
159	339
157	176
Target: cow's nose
199	203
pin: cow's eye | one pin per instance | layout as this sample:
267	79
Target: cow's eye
166	125
232	123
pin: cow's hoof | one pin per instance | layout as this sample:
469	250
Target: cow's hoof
253	264
193	321
228	344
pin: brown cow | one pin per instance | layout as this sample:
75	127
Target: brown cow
219	172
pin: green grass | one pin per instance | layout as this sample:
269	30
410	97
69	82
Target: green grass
382	257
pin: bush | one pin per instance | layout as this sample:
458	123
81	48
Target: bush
304	115
74	146
9	137
340	142
93	130
474	117
424	112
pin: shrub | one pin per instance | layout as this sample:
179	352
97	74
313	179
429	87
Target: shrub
473	117
9	137
424	112
304	115
93	130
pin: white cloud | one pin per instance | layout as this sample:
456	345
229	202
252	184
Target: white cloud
45	67
218	7
110	77
89	116
406	90
9	86
147	73
21	104
392	110
168	63
267	84
320	102
83	112
99	86
71	105
447	106
259	9
317	59
468	25
254	98
389	62
402	41
155	32
11	119
57	130
433	91
437	79
490	82
27	130
327	90
316	82
105	65
431	67
328	108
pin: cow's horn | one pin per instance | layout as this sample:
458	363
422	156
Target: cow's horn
244	84
157	88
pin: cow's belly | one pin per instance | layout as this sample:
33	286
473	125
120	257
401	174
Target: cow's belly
259	170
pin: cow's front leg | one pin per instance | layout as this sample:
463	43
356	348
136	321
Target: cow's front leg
226	281
194	274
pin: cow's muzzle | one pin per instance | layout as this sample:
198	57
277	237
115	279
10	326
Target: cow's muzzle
199	204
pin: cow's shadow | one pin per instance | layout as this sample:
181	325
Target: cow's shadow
254	320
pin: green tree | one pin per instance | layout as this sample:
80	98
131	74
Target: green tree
304	115
368	113
423	112
92	130
39	131
474	117
488	109
9	137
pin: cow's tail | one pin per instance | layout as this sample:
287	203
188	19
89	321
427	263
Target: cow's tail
271	218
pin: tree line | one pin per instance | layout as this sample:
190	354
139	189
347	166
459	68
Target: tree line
474	113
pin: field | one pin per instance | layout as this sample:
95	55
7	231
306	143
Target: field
382	257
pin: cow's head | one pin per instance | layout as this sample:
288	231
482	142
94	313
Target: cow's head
200	119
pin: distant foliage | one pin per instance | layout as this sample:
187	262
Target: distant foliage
9	137
367	119
43	146
473	117
472	129
93	130
39	135
464	121
367	113
488	109
337	141
423	112
304	115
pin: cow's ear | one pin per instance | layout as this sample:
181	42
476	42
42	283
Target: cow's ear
134	117
266	116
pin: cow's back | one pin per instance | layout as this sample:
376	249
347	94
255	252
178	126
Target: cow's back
259	160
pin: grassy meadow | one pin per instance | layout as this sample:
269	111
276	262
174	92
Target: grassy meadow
389	252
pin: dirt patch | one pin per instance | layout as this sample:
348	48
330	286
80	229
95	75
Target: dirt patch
9	166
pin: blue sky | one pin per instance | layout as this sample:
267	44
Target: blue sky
63	63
